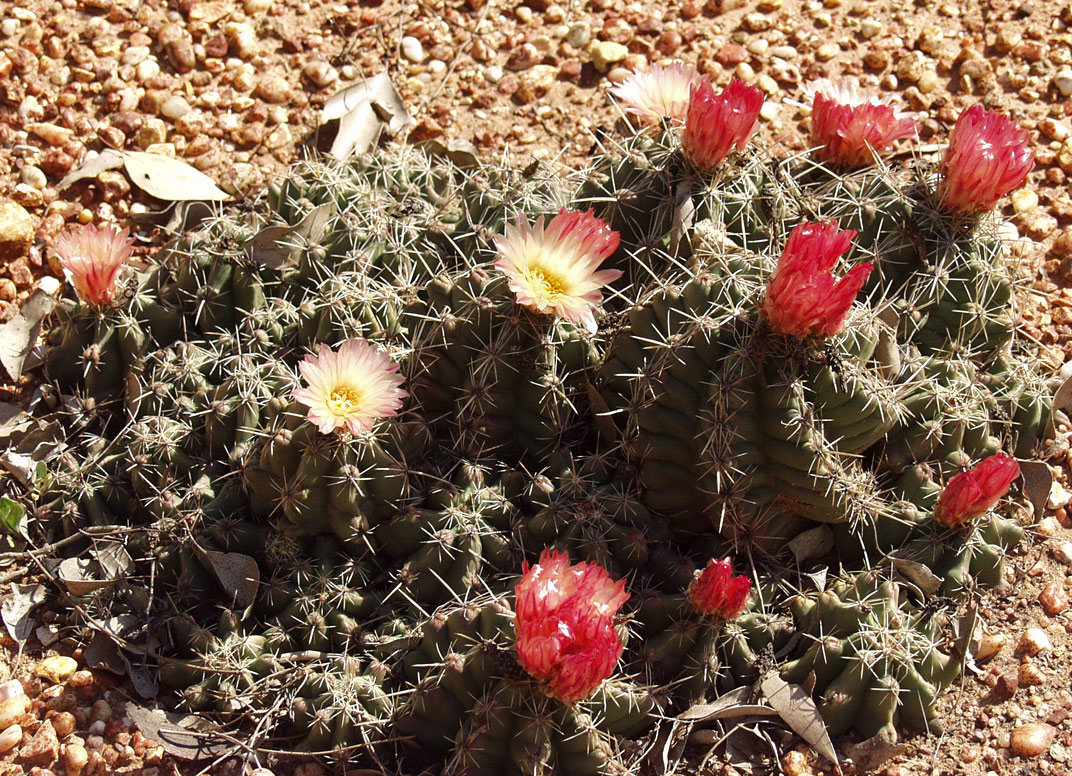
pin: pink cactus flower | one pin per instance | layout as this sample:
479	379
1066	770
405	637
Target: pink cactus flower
717	125
847	124
350	389
92	259
715	592
565	624
987	158
661	92
973	493
803	296
553	270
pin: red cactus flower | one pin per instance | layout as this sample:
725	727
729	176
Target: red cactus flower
847	124
716	125
973	493
715	592
803	296
987	158
92	258
565	624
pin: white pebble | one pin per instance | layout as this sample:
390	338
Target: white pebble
493	74
869	28
147	70
412	49
10	738
174	107
1063	82
32	176
11	689
579	34
1034	641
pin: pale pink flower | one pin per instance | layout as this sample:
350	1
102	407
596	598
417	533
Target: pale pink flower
715	592
92	259
565	624
351	389
973	493
803	296
847	123
661	92
717	124
987	158
553	270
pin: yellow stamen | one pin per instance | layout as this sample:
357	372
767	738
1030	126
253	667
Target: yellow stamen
344	399
551	285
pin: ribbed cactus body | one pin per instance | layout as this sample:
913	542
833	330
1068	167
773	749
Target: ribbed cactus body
687	427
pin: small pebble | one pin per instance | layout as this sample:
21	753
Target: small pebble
1024	200
579	34
1030	675
827	51
1032	739
928	81
606	53
57	668
11	737
1063	553
12	709
1034	641
412	49
989	645
1054	598
64	723
75	758
174	107
1063	81
32	176
11	689
321	73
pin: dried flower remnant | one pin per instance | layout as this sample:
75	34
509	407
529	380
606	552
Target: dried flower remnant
987	158
718	124
715	592
352	388
973	493
555	269
848	126
804	298
92	259
661	92
565	624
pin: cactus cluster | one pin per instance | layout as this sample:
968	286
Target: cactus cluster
674	417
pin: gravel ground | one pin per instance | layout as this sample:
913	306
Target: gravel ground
235	90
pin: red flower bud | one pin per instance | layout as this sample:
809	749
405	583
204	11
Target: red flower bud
715	592
803	296
973	493
719	124
565	624
847	124
987	158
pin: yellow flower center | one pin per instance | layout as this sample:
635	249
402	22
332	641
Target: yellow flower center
549	283
344	400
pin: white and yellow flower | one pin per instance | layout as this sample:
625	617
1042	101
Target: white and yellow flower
352	388
658	93
553	269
